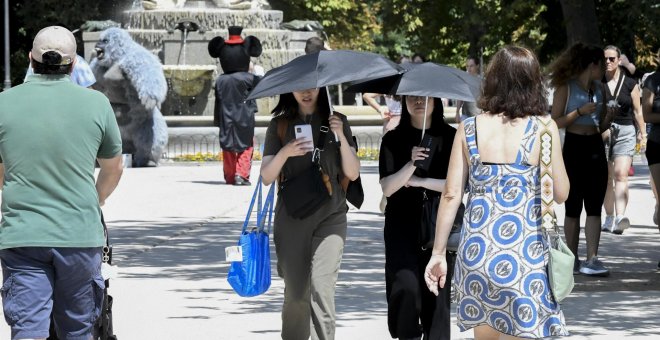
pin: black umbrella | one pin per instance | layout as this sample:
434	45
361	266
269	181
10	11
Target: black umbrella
323	68
428	80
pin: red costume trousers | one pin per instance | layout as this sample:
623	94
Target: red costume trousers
237	163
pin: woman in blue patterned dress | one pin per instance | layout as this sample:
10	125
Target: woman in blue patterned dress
501	279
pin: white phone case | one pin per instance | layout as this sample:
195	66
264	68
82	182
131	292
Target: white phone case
304	130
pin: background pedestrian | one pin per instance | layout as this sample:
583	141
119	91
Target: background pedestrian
578	106
468	109
627	130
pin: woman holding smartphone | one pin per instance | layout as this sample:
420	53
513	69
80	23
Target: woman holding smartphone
578	107
412	310
309	250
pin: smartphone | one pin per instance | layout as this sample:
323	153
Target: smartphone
432	144
305	131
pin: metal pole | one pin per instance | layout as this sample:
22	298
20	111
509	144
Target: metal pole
7	84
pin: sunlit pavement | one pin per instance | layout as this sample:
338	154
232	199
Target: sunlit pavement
170	225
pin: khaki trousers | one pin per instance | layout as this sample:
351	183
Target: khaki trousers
309	253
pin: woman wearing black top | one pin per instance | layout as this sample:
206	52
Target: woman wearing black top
409	301
651	111
622	95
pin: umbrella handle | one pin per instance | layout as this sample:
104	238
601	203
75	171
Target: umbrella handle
426	107
327	91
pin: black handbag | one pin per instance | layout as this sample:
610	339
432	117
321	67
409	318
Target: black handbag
427	226
102	329
355	193
353	189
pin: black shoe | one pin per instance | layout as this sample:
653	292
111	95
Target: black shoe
238	180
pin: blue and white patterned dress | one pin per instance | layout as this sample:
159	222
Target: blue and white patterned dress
500	278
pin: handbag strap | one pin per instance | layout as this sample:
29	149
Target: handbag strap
568	96
283	125
267	210
106	254
256	196
619	85
547	195
320	141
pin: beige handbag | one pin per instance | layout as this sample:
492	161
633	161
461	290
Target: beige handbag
560	257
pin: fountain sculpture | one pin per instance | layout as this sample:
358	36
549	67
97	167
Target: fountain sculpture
179	31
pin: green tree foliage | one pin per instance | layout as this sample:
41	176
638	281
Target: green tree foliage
28	17
349	24
444	30
448	31
633	26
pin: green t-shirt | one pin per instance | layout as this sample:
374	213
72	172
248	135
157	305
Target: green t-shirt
51	132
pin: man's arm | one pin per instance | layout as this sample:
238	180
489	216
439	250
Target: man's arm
111	170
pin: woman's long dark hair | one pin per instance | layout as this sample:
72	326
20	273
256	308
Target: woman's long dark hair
573	61
437	116
287	107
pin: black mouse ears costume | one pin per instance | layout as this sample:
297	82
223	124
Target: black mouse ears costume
235	52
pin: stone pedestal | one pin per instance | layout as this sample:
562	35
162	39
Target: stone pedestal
154	30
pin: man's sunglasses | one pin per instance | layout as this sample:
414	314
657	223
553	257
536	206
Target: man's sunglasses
611	59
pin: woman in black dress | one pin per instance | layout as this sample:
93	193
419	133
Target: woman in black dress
413	310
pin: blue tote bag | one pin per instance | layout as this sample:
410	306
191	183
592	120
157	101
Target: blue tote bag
251	276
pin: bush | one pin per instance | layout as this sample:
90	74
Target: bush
365	154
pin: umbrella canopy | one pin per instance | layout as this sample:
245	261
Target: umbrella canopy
428	80
323	68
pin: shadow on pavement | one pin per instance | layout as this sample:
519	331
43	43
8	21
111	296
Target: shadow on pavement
194	251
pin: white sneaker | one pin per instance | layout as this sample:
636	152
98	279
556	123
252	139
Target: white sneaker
607	225
621	223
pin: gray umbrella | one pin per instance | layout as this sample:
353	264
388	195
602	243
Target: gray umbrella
427	80
323	68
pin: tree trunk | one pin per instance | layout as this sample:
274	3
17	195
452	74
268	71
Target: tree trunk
581	21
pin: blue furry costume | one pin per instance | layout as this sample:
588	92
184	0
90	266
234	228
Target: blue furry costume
132	78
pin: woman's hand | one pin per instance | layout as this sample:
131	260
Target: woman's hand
641	137
385	112
336	125
436	273
419	153
298	147
587	109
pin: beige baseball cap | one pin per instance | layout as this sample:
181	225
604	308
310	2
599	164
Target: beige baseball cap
57	39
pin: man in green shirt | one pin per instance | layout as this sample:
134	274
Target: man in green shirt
52	132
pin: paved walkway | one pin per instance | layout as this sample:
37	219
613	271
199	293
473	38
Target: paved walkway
170	225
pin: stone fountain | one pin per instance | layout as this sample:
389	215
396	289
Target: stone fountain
179	32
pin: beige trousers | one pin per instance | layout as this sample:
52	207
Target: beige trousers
309	253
